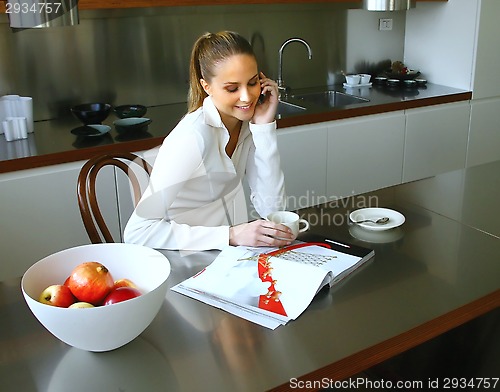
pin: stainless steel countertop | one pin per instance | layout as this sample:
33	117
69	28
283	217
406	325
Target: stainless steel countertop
439	270
52	141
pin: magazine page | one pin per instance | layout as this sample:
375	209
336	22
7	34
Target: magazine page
271	286
348	257
267	289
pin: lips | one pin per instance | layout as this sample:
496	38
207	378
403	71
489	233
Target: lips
246	107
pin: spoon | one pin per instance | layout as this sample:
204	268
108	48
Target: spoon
380	221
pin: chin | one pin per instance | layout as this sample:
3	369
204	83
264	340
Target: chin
245	118
244	115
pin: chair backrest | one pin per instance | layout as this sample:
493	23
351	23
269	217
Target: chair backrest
92	217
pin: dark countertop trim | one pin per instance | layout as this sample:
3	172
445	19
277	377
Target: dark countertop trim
365	110
55	145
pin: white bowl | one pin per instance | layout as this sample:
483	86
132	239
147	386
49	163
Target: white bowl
102	328
352	79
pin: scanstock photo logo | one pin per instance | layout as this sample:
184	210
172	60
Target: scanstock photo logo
28	14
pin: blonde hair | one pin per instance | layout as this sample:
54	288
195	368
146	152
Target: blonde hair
209	50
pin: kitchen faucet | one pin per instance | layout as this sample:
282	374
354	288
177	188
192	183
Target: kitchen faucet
283	90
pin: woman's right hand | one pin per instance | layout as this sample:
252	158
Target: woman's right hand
265	111
260	233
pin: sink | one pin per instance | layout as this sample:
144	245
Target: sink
330	98
287	108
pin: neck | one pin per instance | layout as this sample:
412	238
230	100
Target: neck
234	133
235	128
232	124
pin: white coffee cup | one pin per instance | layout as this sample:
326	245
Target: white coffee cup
365	78
289	219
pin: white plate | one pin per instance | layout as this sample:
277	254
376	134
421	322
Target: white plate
395	218
357	85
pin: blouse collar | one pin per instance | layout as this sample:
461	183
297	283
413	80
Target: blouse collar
213	118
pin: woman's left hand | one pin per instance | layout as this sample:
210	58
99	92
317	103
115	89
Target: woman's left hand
265	111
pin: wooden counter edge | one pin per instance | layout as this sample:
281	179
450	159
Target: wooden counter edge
75	155
380	352
57	158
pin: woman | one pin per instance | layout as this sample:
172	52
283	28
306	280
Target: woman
195	199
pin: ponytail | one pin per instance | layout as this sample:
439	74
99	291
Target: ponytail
209	50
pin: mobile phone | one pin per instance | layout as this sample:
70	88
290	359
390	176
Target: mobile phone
262	98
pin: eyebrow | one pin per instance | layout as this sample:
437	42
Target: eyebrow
230	83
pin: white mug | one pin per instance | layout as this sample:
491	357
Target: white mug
289	219
365	78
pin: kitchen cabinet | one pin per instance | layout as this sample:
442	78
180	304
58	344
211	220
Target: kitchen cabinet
321	162
303	153
484	137
40	213
435	140
364	154
465	57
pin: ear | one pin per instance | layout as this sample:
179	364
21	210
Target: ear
205	86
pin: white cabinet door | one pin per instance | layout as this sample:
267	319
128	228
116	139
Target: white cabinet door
365	154
39	214
435	140
484	137
303	151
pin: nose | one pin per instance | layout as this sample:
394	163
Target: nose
245	95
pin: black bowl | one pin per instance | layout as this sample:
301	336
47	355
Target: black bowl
91	113
412	74
127	111
132	124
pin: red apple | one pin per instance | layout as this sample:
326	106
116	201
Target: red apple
57	295
81	305
124	283
121	294
90	282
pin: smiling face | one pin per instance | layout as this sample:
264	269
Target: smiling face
234	88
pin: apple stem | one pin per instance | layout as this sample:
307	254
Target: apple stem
102	269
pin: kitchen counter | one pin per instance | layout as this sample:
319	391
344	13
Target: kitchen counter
434	273
52	142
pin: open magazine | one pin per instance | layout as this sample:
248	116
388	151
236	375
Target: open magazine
271	286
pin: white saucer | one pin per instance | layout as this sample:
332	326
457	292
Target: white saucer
396	219
376	237
357	85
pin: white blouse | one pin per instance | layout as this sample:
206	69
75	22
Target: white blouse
195	192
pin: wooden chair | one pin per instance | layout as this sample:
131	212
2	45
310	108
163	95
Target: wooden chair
92	217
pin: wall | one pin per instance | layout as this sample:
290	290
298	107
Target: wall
141	55
366	42
441	39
